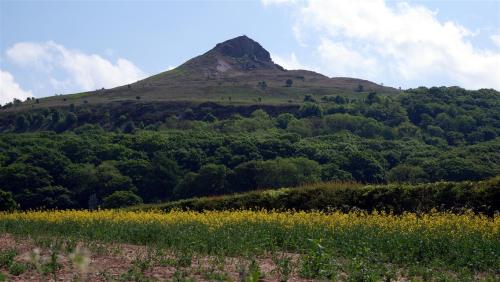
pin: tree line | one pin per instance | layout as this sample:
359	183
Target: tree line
53	159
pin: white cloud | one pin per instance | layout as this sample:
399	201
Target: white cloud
10	89
273	2
289	62
348	61
404	41
496	39
80	70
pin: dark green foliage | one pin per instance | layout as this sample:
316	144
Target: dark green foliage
283	120
406	174
310	110
50	197
21	123
68	157
309	98
7	202
129	127
275	173
120	199
70	120
444	196
211	180
364	168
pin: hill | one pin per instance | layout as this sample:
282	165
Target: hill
142	143
238	70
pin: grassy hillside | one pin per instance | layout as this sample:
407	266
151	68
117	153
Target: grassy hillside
236	71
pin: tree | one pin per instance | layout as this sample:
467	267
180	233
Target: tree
458	169
372	98
70	120
212	179
364	167
111	180
289	83
289	172
309	98
332	172
7	202
310	110
129	127
407	174
340	100
280	172
120	199
20	177
360	88
260	114
209	117
166	175
283	119
49	159
50	197
84	182
21	123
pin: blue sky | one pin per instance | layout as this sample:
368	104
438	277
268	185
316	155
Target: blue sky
53	47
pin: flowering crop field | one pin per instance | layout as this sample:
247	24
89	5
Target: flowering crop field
329	244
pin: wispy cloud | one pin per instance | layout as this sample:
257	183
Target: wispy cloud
289	62
10	89
79	70
496	39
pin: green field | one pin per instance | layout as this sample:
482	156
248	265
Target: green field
208	246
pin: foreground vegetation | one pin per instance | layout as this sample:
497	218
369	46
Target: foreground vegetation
374	245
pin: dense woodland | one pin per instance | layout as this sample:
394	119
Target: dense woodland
77	157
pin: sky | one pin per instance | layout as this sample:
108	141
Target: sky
62	47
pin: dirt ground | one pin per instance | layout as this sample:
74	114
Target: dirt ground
124	262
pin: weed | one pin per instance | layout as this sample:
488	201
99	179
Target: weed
17	268
284	267
317	263
7	257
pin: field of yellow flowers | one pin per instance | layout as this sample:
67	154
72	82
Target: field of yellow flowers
453	242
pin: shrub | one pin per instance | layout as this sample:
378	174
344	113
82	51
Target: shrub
120	199
397	198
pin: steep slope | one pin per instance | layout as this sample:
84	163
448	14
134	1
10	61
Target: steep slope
242	61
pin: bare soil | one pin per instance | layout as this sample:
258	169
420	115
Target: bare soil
114	262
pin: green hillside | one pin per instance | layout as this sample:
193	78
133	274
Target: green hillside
234	125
